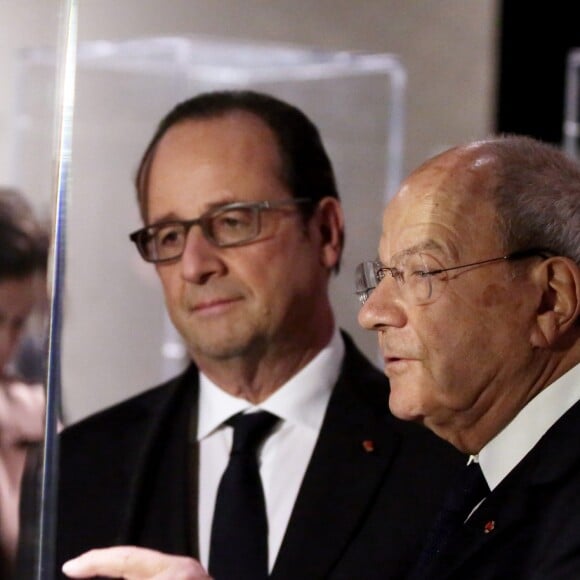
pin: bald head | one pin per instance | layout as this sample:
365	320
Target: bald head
533	186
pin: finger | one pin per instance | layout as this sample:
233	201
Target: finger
133	563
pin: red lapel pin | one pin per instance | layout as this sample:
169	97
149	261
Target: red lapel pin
489	527
368	445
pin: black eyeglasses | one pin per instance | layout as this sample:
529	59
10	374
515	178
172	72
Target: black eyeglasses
418	276
233	224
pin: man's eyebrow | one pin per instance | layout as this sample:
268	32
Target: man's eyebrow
220	203
171	216
166	218
429	244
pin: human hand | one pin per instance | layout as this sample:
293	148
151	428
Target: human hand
133	563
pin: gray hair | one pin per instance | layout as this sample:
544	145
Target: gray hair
536	190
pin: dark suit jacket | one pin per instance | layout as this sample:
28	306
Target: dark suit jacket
529	526
128	476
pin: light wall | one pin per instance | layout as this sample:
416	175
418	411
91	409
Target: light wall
448	46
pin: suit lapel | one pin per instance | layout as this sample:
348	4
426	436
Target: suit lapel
160	484
348	464
519	497
493	522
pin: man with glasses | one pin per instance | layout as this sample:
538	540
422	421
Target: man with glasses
476	302
244	227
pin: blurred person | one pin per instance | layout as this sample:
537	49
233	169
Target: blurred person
476	301
244	226
23	255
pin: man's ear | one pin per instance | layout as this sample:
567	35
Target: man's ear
559	308
330	223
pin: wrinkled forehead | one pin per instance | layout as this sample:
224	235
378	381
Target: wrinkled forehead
444	207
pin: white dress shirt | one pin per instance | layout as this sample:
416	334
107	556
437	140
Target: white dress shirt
301	405
518	438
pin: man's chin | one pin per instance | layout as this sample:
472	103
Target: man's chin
403	407
225	346
219	351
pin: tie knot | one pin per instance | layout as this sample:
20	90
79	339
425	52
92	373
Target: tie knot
250	429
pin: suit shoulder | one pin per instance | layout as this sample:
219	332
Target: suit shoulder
112	420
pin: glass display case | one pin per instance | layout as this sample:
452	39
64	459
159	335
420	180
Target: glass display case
30	384
117	338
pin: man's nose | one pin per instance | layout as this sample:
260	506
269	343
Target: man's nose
201	259
382	308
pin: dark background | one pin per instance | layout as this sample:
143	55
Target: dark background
535	38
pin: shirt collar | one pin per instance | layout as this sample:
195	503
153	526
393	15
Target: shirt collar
302	400
517	439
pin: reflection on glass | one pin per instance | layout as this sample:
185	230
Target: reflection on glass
23	254
34	158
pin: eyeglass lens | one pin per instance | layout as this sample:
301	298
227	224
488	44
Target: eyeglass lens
411	273
223	227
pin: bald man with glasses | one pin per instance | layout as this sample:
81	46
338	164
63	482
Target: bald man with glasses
274	454
475	299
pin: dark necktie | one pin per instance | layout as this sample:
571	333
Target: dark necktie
239	534
469	489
